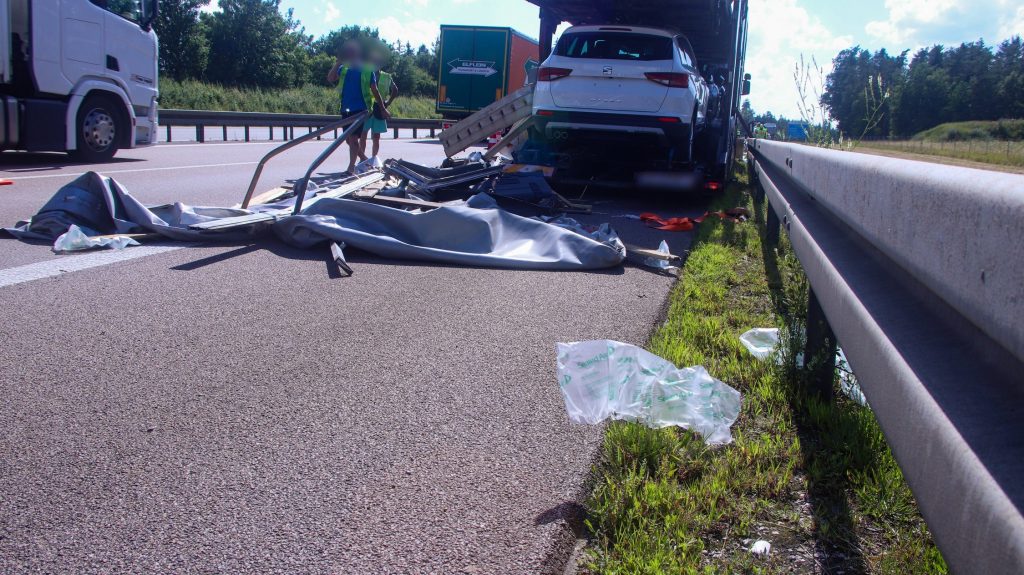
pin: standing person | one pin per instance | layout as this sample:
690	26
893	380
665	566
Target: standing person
357	84
377	123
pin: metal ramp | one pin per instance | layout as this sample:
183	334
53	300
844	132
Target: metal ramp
494	118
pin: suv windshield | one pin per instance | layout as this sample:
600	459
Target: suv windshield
614	46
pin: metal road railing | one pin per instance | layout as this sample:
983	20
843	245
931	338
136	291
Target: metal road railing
918	269
203	119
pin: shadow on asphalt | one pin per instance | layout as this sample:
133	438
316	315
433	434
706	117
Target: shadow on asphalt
45	161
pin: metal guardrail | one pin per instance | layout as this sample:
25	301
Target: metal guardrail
919	270
203	119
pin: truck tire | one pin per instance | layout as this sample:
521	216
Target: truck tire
99	128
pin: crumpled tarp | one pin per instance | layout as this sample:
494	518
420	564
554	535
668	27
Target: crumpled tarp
451	234
456	234
99	204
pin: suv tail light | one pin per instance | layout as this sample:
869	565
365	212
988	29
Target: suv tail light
548	74
670	79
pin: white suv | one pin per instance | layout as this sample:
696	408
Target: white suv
639	87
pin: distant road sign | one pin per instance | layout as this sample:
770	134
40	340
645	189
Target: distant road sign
472	68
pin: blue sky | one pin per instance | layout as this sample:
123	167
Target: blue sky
781	30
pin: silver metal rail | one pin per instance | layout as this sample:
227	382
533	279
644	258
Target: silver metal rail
919	270
203	119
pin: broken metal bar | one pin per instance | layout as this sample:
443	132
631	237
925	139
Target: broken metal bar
289	145
300	186
339	257
517	130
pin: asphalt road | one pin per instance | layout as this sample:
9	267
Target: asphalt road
235	409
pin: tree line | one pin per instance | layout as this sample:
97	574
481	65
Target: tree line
251	44
880	95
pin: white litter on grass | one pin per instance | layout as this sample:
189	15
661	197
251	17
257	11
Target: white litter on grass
75	240
848	381
608	379
761	547
761	342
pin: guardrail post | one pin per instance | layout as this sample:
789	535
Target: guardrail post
271	128
414	133
200	134
224	132
168	133
432	133
772	227
820	349
396	133
246	133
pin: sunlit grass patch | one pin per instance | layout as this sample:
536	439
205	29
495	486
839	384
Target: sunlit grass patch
815	479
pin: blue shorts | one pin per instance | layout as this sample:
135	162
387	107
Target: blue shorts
378	126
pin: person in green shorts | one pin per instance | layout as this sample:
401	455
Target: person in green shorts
377	123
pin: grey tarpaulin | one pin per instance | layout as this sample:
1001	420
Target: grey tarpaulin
102	206
451	234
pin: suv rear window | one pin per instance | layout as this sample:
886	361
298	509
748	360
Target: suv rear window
614	46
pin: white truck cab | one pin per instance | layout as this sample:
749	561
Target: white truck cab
78	76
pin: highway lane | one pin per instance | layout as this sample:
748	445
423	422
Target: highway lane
234	408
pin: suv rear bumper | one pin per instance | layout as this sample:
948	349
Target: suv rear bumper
564	128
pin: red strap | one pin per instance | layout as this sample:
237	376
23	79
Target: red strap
669	225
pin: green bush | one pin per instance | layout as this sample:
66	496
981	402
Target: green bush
309	99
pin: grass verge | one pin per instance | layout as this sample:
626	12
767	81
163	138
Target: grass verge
995	152
816	480
309	99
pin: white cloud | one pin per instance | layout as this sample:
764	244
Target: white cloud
331	12
916	23
415	32
774	51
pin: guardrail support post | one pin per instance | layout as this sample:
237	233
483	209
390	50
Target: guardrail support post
200	134
772	227
224	133
415	133
820	350
432	133
396	133
271	128
246	133
168	133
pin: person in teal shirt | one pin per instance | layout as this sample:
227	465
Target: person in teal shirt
377	123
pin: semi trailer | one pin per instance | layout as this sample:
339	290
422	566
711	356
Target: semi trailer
78	76
479	65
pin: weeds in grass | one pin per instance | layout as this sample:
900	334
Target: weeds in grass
816	479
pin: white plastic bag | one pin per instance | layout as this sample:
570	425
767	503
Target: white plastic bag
761	341
75	239
608	379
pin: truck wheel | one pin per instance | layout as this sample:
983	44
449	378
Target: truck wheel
99	128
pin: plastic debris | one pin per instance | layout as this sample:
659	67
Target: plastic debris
761	547
75	239
659	263
608	379
761	342
848	381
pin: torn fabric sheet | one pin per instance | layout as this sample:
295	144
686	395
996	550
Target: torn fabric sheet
450	234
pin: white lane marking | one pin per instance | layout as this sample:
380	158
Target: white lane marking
16	177
67	264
